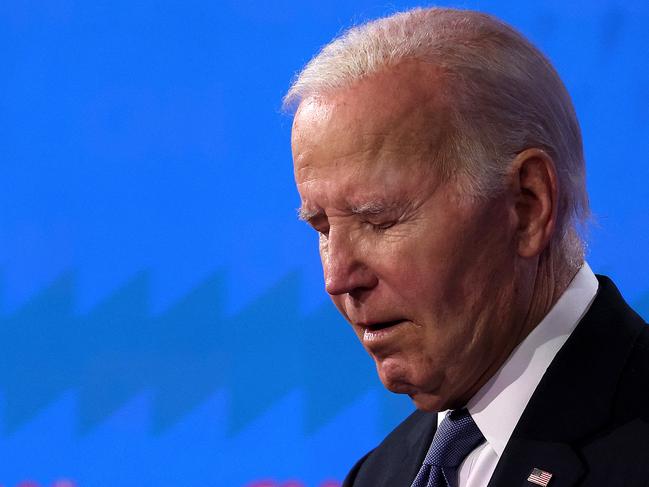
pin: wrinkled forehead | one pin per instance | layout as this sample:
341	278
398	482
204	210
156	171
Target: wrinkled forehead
406	103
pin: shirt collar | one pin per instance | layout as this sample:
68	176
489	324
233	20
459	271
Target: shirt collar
499	404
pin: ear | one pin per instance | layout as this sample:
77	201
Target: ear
534	183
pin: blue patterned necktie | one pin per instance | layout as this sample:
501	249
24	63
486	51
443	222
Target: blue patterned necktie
455	438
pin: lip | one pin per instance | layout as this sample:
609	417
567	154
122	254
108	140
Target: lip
380	331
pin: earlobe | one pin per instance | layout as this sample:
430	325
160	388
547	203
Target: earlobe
534	182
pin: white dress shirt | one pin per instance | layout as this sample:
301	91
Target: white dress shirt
499	404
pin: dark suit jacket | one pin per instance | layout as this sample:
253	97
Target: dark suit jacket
587	422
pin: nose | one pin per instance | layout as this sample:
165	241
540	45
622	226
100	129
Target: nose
345	262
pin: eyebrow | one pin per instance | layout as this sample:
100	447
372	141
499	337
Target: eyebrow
307	215
372	208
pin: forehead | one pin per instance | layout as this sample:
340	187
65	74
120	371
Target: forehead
405	104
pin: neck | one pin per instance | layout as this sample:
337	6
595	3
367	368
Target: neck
553	275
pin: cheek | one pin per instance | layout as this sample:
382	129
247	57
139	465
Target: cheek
424	281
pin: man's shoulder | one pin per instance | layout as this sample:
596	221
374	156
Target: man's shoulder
632	389
632	398
398	456
619	451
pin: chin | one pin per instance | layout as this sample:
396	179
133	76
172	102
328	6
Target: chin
400	377
395	378
394	375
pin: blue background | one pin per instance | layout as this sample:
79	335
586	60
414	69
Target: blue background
162	317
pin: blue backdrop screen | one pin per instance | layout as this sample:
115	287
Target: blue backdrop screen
163	320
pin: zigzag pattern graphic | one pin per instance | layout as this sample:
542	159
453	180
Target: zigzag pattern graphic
117	350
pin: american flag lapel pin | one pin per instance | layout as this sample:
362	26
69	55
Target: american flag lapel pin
540	477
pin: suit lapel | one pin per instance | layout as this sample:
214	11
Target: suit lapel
522	456
397	460
418	441
574	398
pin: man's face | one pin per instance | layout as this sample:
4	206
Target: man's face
424	275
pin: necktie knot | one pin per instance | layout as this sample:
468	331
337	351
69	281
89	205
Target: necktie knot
456	436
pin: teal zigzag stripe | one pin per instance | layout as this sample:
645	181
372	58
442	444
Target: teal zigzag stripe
119	349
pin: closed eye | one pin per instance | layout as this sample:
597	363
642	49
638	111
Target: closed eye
379	216
379	227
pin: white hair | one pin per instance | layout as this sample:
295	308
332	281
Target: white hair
504	95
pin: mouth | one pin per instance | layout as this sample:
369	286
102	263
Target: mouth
381	330
381	325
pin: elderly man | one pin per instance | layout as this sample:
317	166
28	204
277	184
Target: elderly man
438	156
